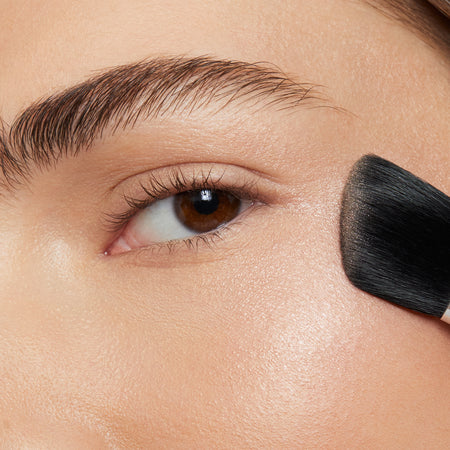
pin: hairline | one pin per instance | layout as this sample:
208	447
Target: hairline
420	17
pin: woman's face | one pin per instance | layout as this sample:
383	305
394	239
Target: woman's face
250	339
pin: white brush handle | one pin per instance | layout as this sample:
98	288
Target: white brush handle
446	316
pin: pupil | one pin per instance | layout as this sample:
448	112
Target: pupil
205	201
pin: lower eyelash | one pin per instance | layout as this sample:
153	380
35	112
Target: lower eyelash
192	244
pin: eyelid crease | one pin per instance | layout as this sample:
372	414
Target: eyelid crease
257	173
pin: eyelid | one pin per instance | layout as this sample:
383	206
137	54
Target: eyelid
140	191
137	192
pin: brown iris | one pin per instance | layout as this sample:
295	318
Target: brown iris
205	209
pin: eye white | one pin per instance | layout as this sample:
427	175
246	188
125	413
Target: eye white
159	223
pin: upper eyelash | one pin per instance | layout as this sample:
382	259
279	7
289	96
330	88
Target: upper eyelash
155	188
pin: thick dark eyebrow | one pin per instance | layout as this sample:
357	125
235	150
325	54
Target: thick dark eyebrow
71	120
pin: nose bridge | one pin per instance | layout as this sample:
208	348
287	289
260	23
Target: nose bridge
47	343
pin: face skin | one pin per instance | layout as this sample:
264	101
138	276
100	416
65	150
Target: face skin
259	341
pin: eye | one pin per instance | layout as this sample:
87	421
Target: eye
200	212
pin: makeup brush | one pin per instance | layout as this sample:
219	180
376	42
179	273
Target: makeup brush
395	237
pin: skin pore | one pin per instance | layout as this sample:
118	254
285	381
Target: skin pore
254	341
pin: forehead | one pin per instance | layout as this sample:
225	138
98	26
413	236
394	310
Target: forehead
47	45
344	45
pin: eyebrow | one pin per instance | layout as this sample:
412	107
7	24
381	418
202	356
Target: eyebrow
68	121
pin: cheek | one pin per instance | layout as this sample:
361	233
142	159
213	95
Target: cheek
268	347
254	347
274	346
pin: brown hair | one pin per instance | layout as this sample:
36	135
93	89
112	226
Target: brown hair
430	19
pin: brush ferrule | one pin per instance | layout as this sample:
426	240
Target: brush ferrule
446	316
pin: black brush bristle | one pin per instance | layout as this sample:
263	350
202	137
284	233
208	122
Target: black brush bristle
395	236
